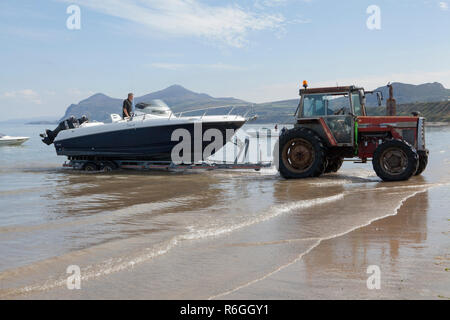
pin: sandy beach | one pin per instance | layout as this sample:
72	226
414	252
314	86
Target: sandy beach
224	235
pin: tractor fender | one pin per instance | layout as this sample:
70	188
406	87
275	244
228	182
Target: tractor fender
320	127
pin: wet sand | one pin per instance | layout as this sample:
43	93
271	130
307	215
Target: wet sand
223	234
309	251
412	250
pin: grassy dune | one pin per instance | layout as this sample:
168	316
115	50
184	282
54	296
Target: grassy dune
433	111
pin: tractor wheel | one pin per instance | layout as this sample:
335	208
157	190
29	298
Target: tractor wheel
334	164
423	161
301	154
90	166
395	160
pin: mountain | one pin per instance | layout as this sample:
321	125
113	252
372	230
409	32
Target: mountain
34	120
409	93
276	112
181	99
99	106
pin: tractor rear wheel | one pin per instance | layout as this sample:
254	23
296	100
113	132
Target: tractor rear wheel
334	164
423	161
395	160
301	154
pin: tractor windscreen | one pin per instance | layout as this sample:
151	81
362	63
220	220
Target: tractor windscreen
326	104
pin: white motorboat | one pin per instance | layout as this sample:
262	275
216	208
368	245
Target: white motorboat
147	135
11	141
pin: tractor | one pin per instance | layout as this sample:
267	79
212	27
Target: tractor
331	124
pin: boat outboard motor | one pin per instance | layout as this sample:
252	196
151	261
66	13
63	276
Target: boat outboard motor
71	123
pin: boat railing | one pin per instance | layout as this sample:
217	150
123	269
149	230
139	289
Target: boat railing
248	107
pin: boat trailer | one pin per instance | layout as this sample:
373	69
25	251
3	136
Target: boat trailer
110	165
241	162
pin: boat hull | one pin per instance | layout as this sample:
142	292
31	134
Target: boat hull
153	143
13	142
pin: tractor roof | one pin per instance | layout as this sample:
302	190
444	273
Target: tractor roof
328	90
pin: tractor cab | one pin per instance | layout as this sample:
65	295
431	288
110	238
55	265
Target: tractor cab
335	101
338	107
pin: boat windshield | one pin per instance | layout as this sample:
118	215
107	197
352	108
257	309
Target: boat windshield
2	135
155	107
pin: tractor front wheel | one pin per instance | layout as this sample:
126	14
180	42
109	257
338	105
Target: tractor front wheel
423	161
395	160
301	154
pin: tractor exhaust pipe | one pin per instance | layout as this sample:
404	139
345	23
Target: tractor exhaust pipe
391	103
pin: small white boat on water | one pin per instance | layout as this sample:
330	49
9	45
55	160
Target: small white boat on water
11	141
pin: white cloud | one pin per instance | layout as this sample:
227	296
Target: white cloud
28	95
180	66
269	3
261	4
74	92
77	93
443	5
228	24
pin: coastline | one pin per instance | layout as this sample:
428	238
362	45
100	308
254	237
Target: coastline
437	124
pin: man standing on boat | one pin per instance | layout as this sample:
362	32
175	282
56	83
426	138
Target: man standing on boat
127	106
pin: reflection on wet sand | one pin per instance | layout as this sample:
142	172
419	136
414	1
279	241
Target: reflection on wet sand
413	221
86	194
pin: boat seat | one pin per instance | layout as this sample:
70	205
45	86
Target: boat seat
115	117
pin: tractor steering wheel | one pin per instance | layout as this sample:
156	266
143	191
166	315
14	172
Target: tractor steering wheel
340	111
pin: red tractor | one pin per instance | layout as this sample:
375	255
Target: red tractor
332	124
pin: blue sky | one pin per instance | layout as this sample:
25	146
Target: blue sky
257	50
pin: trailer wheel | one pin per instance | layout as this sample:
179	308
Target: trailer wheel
334	164
395	160
301	154
109	166
423	161
90	166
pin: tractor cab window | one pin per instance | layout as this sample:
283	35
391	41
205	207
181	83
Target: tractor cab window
357	104
325	104
314	105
